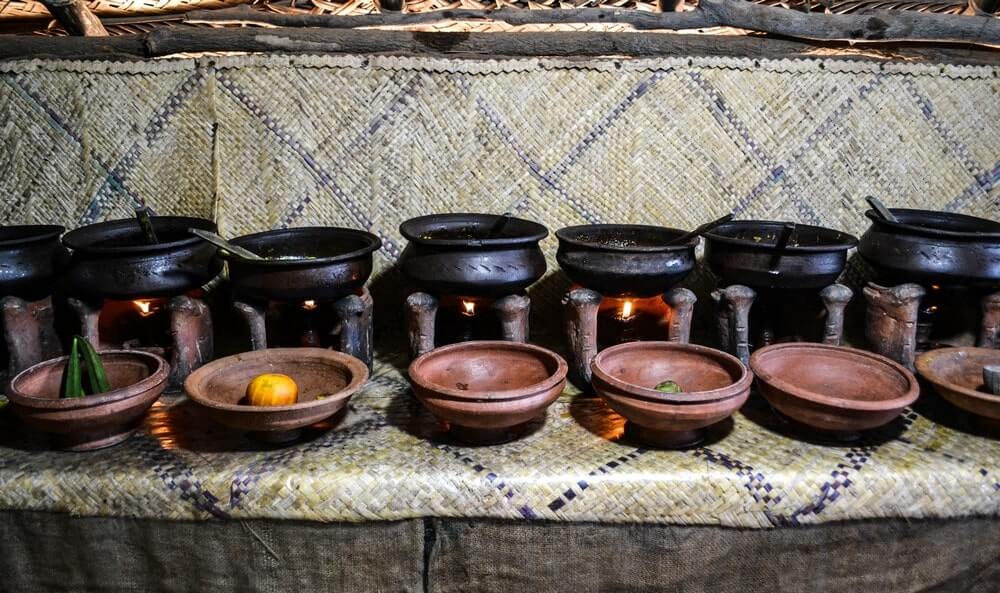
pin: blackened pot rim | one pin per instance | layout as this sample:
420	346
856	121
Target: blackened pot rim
82	239
565	235
33	233
844	241
414	228
372	244
902	228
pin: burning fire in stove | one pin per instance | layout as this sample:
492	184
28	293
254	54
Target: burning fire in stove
468	308
626	311
309	305
146	308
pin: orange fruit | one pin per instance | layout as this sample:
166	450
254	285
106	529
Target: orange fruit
272	389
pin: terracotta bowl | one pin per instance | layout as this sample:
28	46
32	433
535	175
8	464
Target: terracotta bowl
220	388
715	385
835	391
487	390
82	424
957	375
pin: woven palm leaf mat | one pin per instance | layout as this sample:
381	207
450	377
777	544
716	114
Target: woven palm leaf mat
265	142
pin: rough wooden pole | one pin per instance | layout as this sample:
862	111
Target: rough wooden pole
29	331
256	318
513	311
193	340
581	307
421	312
891	320
835	298
734	304
354	314
681	302
75	17
989	334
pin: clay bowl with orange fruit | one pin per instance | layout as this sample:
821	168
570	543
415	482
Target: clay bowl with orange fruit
274	393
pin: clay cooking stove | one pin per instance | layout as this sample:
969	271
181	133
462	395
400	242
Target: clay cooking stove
468	274
624	277
128	293
776	282
937	277
29	258
309	290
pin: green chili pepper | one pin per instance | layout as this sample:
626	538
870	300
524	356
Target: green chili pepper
96	376
73	387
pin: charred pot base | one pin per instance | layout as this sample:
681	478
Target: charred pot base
733	316
191	344
423	328
352	329
894	328
582	307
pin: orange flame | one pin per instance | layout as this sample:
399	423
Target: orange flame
309	305
469	308
626	312
144	307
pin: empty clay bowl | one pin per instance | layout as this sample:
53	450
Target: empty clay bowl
82	424
326	381
957	375
714	384
486	390
835	391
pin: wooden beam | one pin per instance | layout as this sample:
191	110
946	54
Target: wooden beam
877	26
173	40
75	17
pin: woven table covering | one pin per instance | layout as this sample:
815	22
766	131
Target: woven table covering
265	142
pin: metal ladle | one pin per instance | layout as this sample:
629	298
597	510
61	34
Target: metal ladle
223	244
700	230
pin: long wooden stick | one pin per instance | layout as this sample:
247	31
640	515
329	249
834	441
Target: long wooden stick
173	40
876	26
75	17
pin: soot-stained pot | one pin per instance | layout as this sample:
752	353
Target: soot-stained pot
112	259
746	252
929	247
324	263
454	254
624	259
30	257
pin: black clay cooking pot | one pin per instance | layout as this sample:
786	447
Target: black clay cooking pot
624	259
112	259
933	247
30	256
322	263
455	254
746	252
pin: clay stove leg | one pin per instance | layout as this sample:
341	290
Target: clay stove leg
354	315
90	316
721	321
256	318
582	305
421	310
191	332
734	318
29	331
989	335
891	321
835	298
513	312
681	302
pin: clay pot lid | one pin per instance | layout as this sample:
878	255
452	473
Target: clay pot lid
715	358
959	370
851	362
159	372
555	367
195	384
